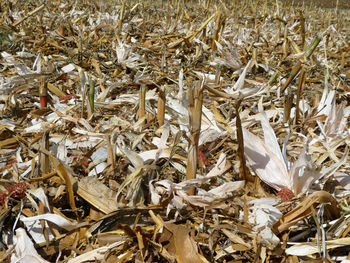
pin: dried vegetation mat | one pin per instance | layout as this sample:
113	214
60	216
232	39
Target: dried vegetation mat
174	131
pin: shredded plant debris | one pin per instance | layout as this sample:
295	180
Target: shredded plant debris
174	131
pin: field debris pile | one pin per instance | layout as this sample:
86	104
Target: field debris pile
174	131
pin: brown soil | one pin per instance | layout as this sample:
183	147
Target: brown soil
342	4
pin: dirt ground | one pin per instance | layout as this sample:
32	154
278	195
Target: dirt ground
322	3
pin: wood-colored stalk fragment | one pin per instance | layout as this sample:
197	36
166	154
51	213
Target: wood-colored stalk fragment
342	64
121	17
142	102
255	65
205	23
36	10
44	158
43	94
195	99
294	45
207	5
299	93
161	106
204	35
167	15
177	11
302	29
80	48
111	156
183	9
256	19
217	29
42	223
288	103
285	45
217	74
278	31
91	98
293	73
189	37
